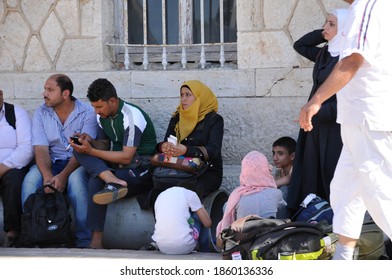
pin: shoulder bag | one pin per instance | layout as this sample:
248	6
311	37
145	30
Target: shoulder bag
173	171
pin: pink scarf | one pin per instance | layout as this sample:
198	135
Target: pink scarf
255	176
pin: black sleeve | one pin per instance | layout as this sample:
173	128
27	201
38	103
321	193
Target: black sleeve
328	110
170	131
307	44
214	138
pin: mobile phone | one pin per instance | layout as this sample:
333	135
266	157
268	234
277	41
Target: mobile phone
172	139
75	140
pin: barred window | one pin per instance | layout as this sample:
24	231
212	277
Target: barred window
175	33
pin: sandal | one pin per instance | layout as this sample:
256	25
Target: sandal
111	192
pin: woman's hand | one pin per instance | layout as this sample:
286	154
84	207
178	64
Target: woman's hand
167	148
173	150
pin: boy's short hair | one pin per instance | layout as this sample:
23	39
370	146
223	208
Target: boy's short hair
287	142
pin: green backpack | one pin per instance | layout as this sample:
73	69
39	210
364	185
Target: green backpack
371	244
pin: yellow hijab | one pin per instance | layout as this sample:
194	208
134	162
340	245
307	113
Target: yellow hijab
205	102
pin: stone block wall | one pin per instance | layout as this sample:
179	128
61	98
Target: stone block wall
259	99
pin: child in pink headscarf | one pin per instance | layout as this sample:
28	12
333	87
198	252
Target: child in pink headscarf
257	193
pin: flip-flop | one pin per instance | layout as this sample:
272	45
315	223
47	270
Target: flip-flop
111	192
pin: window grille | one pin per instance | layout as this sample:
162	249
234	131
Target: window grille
175	33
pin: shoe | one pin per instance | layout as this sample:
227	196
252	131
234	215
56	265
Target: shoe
9	241
110	193
150	247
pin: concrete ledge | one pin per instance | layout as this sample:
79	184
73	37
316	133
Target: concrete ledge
129	227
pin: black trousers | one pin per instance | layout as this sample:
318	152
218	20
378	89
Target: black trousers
10	190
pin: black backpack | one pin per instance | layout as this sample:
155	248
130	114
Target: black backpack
46	220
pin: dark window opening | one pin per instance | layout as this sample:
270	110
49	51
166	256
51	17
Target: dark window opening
154	21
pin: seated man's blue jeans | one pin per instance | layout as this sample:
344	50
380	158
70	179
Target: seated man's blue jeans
77	191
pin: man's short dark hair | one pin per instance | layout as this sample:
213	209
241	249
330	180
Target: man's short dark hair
101	89
64	83
286	142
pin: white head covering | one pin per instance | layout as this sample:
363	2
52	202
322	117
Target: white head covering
334	44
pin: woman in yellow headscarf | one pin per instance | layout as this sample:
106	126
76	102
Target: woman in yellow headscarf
196	124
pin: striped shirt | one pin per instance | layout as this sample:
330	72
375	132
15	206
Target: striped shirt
367	98
130	127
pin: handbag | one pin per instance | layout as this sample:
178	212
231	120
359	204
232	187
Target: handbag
193	165
188	164
170	172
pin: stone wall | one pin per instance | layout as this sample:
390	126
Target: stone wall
259	99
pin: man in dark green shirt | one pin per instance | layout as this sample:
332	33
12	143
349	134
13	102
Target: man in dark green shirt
123	169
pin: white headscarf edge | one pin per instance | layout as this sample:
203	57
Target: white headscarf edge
334	44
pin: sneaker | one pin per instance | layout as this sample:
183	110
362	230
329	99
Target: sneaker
110	193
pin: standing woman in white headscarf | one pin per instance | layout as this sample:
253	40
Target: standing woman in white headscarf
318	150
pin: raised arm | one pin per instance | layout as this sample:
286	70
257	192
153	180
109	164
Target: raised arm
307	45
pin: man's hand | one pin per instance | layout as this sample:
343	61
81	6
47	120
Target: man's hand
59	182
85	148
307	112
340	76
84	136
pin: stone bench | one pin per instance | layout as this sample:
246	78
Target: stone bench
127	226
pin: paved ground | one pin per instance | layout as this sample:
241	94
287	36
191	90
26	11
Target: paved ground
69	264
104	253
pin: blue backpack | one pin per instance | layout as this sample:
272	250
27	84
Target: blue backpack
314	209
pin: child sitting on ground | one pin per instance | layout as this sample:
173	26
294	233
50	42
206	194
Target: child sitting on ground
283	152
257	193
176	231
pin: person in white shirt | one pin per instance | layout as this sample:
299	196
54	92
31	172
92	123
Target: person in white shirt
16	152
363	80
175	230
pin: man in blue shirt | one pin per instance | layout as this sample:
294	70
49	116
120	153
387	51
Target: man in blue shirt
54	123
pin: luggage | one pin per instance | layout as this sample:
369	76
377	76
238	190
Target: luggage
371	243
314	209
291	241
257	238
46	220
239	236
